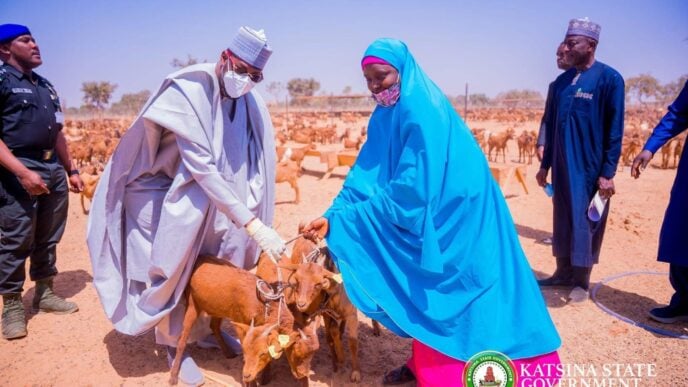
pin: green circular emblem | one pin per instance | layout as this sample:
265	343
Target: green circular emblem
489	369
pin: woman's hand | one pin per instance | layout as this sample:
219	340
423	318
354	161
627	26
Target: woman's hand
316	229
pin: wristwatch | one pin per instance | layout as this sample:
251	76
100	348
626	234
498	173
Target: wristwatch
73	172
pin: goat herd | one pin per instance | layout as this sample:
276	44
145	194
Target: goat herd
307	133
276	311
277	308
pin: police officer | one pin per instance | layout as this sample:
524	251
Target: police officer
33	183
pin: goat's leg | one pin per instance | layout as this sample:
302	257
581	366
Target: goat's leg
337	339
376	328
295	185
215	323
189	318
352	335
334	341
83	206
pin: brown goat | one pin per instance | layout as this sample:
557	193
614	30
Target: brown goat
288	171
666	153
300	354
526	142
312	280
298	154
90	181
225	291
678	149
630	147
352	144
305	251
498	141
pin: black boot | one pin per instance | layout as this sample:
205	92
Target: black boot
13	317
563	275
581	276
581	283
45	300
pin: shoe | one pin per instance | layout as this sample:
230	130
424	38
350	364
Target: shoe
578	295
556	280
44	300
668	315
13	317
210	342
398	376
189	373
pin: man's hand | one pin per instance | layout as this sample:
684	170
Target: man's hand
541	177
75	183
605	187
640	163
540	152
268	240
316	229
33	183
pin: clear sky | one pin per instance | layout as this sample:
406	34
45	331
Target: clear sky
492	45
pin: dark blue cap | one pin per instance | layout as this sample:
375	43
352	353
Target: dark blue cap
10	31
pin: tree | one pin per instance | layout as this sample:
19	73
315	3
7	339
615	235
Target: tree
643	86
130	103
301	87
275	89
478	99
190	60
670	91
97	94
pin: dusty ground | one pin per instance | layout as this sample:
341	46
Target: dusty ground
83	349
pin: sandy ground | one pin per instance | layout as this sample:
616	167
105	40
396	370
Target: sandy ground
83	348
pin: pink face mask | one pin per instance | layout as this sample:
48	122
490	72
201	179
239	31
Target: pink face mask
389	96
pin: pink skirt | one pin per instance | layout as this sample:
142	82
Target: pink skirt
433	368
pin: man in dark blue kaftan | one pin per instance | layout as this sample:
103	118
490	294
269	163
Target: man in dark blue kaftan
583	151
673	244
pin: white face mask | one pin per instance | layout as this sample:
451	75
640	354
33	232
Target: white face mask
237	85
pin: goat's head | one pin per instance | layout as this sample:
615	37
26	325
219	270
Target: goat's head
300	354
260	345
309	281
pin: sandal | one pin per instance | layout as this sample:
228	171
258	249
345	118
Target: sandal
399	375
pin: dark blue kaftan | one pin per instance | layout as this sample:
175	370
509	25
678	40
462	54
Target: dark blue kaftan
585	143
673	241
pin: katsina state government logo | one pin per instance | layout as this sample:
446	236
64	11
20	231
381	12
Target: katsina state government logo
489	369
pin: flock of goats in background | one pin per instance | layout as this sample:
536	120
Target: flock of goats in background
278	308
305	133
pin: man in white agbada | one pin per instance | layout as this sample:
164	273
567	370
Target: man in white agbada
193	175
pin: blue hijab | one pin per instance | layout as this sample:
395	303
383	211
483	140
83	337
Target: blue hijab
422	234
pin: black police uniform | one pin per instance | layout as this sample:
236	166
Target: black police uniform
30	226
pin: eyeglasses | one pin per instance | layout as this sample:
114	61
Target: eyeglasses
241	70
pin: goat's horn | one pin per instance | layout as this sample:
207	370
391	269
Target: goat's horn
265	333
303	335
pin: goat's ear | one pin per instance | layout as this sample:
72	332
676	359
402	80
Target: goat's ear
287	340
241	330
332	279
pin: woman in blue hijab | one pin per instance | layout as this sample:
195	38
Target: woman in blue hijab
423	237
